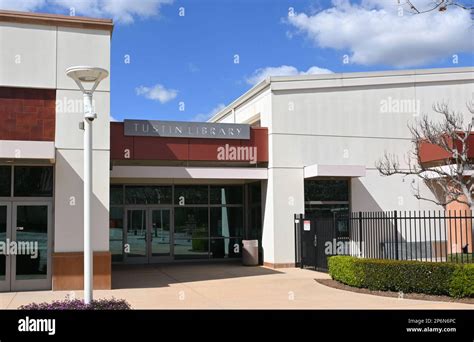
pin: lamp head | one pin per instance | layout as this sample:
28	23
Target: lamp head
87	74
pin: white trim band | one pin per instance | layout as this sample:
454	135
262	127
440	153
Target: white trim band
20	149
188	172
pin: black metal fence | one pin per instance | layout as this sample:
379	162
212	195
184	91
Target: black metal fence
436	236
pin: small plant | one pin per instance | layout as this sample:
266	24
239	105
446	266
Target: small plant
78	304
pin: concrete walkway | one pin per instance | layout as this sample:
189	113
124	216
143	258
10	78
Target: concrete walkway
216	286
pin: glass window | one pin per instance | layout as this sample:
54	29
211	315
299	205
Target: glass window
225	248
148	194
255	193
227	222
137	233
3	239
191	223
255	228
227	194
33	181
326	210
191	249
34	222
116	233
184	195
5	181
116	194
326	190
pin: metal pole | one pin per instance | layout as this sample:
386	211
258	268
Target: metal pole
395	219
88	263
360	234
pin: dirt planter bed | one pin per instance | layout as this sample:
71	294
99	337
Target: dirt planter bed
418	296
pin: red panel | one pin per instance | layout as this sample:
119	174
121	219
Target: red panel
27	114
207	149
430	153
156	148
181	149
259	139
121	146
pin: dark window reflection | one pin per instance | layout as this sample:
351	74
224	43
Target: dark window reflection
327	210
226	248
33	181
148	194
32	230
227	222
226	195
326	190
116	233
191	223
5	181
191	248
184	195
3	236
116	194
255	211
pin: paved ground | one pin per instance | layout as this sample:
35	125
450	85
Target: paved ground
227	286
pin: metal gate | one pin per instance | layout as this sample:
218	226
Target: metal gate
317	238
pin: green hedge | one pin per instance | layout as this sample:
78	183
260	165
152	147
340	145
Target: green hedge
462	282
407	276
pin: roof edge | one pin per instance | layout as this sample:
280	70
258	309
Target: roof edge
56	20
371	74
242	98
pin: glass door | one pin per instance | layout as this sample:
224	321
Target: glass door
137	236
5	235
31	232
160	235
149	235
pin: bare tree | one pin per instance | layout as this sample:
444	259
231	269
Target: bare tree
451	180
437	5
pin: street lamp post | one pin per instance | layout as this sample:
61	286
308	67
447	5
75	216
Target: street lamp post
82	75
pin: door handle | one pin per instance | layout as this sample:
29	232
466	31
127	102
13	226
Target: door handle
315	242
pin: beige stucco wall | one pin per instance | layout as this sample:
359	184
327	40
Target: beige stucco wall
37	56
339	120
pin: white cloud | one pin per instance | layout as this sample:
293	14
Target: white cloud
157	93
283	70
206	116
113	119
374	33
18	5
122	11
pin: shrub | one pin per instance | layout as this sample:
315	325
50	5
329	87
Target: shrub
77	304
346	270
462	282
406	276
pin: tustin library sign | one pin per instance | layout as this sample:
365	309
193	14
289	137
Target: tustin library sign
182	129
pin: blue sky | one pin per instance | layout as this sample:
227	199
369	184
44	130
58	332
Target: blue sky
190	59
